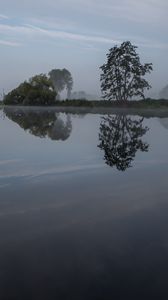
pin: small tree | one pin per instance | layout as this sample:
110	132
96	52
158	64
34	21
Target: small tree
122	76
38	90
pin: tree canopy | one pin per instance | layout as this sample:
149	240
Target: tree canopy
38	90
122	74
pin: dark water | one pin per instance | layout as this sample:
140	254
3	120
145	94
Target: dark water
83	206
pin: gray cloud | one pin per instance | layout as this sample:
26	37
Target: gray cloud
4	17
135	10
9	43
31	31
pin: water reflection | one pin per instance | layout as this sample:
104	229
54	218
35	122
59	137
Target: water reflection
70	230
164	122
120	138
41	123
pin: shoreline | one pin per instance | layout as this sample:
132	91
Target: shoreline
144	112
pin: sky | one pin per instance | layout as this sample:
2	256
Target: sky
37	36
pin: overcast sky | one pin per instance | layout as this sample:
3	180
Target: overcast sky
38	35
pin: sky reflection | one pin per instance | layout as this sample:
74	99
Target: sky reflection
71	225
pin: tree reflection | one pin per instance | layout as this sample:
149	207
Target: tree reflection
120	138
41	123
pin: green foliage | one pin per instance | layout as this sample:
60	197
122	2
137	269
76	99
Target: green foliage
14	97
37	91
122	76
142	104
41	81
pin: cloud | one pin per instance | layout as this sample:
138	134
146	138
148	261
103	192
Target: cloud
30	31
30	172
4	185
53	23
9	43
72	36
68	169
143	11
8	29
4	17
10	161
125	8
85	21
131	10
34	31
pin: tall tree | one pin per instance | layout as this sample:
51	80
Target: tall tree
68	82
123	73
61	79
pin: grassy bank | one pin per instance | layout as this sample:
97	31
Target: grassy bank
147	103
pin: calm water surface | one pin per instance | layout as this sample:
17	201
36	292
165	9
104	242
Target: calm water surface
83	206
